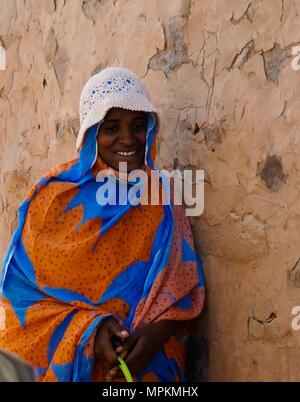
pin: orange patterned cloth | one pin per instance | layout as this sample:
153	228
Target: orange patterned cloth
72	263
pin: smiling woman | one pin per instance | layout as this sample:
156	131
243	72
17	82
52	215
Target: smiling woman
122	138
82	282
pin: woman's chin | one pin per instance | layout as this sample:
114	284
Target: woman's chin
131	164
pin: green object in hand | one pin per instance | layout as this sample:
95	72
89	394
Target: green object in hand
125	369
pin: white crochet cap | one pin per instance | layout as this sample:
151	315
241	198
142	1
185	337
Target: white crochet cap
111	87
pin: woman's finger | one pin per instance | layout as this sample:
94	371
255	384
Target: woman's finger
124	354
118	330
104	349
135	357
116	373
130	341
120	349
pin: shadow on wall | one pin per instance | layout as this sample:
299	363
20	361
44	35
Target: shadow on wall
197	349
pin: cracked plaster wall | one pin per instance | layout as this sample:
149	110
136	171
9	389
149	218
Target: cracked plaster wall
220	72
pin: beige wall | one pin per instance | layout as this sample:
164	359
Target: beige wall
220	71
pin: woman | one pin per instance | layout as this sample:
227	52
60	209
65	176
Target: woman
84	280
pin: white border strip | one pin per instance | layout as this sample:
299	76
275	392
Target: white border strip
2	58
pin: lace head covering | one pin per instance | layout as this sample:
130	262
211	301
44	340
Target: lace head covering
111	87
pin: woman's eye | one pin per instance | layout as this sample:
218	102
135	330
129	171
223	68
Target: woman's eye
111	129
140	126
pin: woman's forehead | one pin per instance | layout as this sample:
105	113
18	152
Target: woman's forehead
119	113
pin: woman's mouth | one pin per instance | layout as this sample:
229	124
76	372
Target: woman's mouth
126	154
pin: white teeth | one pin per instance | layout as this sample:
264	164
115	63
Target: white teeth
126	153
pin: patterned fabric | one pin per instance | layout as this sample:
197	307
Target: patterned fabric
72	263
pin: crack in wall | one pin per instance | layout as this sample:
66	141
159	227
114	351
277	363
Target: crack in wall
282	10
294	275
90	9
263	329
267	320
245	14
50	47
244	55
175	52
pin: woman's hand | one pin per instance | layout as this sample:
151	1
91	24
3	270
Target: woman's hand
104	348
141	347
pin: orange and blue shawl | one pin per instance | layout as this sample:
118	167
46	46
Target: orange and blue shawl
72	262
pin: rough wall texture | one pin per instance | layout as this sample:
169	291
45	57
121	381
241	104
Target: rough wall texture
220	71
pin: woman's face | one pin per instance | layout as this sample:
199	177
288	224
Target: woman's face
122	138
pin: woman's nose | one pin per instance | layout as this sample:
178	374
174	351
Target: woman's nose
126	137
